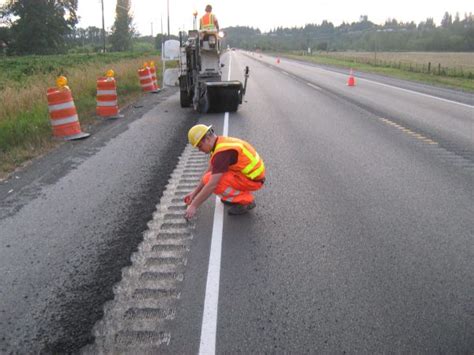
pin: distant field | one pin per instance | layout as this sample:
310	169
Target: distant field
460	61
453	70
437	63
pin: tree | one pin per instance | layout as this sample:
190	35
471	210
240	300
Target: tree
447	20
90	37
40	26
122	30
427	25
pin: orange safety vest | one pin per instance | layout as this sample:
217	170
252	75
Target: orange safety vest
208	21
248	163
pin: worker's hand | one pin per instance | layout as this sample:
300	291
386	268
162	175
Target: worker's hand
189	198
190	212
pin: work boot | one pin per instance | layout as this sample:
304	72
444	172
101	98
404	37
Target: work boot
237	209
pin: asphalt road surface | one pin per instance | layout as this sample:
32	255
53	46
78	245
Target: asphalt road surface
361	240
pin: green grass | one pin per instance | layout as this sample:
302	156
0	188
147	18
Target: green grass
29	126
446	81
23	137
19	70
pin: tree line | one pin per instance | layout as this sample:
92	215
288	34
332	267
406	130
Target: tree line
50	27
453	34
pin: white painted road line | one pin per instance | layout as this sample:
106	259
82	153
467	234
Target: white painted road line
211	299
419	93
389	86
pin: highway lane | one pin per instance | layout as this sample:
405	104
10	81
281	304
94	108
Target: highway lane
362	237
444	116
70	221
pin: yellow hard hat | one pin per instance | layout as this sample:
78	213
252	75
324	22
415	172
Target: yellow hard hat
61	81
110	73
152	64
197	132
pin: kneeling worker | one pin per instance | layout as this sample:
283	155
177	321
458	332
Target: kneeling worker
235	169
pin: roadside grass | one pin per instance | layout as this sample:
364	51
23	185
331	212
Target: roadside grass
25	131
461	83
19	70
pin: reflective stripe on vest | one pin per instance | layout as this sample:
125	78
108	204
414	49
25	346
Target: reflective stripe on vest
229	194
254	160
207	22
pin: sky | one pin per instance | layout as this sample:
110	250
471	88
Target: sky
267	15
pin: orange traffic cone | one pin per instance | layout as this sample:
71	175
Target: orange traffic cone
351	80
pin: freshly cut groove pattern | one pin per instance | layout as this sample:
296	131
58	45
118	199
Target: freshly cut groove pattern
150	313
130	338
152	276
138	319
155	293
165	261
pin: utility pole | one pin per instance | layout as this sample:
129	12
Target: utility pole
103	25
168	2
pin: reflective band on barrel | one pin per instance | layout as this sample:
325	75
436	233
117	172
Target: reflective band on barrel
63	106
106	92
66	120
106	103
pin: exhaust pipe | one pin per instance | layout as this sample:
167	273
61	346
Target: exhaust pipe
246	75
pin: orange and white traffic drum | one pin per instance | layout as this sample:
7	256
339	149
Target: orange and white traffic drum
63	115
107	105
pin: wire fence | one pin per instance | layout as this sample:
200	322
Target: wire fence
431	68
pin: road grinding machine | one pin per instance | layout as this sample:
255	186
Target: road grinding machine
200	75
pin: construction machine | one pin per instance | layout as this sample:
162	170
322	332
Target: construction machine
200	75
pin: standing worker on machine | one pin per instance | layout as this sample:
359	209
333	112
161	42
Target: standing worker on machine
235	169
209	21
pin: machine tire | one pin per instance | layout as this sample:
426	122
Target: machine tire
184	98
234	101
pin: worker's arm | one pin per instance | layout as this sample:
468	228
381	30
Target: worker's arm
190	197
202	195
